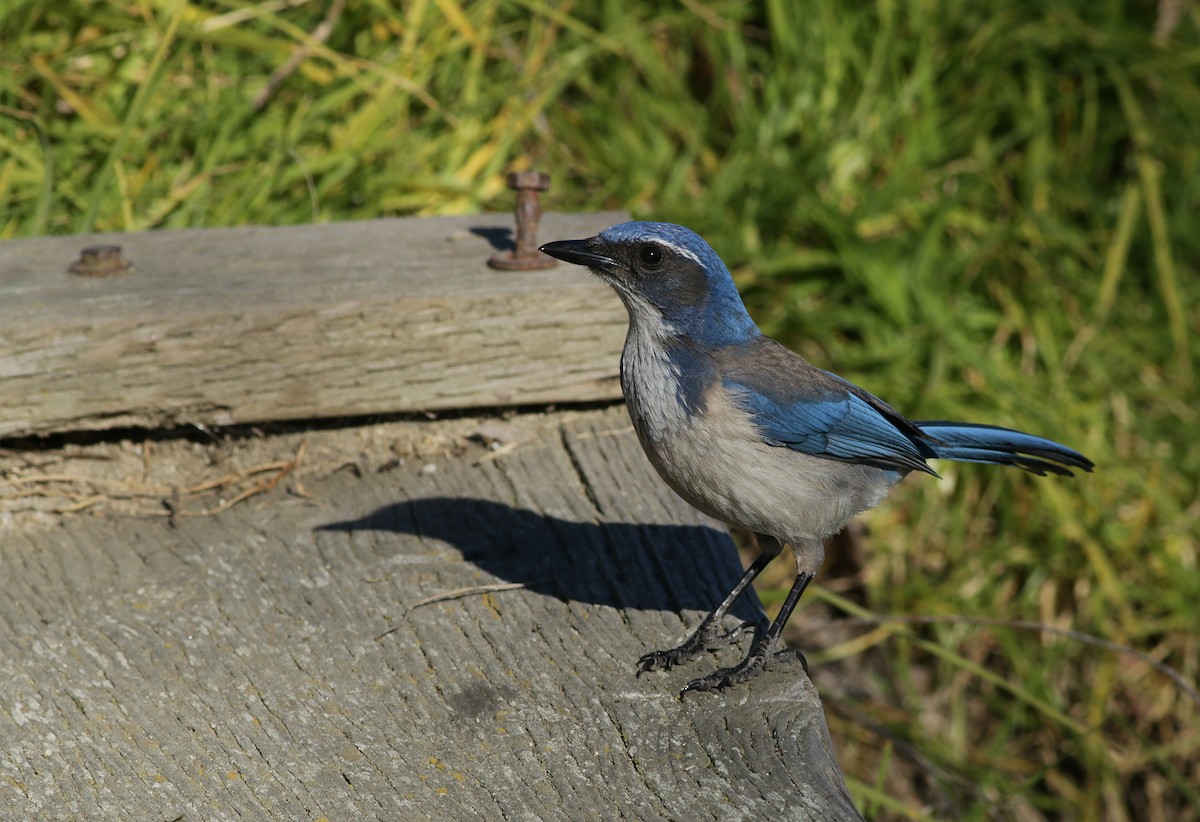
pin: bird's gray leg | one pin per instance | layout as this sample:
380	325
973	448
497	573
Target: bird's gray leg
764	650
708	634
761	652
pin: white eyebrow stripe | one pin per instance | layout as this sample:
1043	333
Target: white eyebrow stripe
685	252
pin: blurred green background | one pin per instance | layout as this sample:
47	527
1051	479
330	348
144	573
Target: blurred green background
980	211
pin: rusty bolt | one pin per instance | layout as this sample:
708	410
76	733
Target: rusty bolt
100	261
526	257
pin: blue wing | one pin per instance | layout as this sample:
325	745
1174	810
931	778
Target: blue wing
842	427
796	405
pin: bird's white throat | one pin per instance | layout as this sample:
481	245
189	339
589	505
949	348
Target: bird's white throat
649	380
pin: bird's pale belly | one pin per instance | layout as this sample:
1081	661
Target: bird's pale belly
719	464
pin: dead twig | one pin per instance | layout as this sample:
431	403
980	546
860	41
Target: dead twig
171	498
457	593
261	487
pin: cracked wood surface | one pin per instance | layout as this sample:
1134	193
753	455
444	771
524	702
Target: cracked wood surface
251	324
262	663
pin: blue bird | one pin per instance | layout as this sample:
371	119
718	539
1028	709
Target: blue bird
752	434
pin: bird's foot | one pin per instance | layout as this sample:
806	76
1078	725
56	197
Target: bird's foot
760	657
707	637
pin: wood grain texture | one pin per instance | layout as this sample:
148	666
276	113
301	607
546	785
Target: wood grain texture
262	663
251	324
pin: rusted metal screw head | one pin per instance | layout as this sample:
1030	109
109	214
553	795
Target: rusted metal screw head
100	261
531	180
526	257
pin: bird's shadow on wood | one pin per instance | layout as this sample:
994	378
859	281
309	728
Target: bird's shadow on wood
623	565
500	239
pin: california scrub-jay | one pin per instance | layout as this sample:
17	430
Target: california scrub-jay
752	434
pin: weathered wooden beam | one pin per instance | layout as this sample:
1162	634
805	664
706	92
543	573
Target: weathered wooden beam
456	642
251	324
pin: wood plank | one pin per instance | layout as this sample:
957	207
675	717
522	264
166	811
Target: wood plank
262	663
252	324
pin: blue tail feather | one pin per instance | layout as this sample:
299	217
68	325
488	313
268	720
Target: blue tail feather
968	442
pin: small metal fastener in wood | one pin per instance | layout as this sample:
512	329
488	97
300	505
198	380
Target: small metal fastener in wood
101	261
526	257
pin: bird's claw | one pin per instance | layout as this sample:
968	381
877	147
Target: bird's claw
790	655
754	664
658	661
706	638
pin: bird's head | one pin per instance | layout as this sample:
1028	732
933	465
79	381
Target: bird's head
667	276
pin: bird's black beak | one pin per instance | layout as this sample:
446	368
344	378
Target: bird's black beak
579	252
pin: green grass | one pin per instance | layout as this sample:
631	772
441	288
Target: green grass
977	211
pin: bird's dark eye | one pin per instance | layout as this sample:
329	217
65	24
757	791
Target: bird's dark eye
650	255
